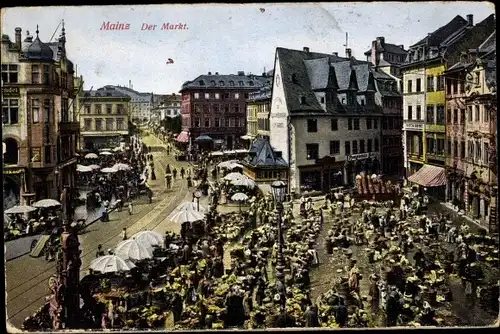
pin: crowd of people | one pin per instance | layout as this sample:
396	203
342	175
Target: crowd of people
389	265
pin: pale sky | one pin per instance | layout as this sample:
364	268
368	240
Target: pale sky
221	37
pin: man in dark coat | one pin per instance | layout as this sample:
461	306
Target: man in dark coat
341	313
311	317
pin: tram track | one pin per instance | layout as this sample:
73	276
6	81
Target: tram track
159	211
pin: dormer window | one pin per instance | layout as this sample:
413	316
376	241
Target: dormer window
250	83
97	94
109	94
202	83
231	83
212	82
362	102
241	83
322	99
221	83
302	100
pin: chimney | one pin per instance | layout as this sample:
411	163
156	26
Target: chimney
306	49
130	84
216	73
470	19
18	37
241	73
348	53
336	54
401	46
381	40
209	73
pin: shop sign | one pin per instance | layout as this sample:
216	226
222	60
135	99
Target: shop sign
361	156
413	126
13	171
10	91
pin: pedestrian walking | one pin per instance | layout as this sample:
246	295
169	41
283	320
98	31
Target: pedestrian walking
124	234
130	208
182	172
175	172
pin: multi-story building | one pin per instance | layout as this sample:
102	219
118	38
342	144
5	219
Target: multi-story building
387	59
324	118
39	129
141	104
258	107
424	97
215	105
104	118
477	161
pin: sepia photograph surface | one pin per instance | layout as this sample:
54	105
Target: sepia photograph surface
250	166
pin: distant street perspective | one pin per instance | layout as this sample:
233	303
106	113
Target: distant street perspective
353	190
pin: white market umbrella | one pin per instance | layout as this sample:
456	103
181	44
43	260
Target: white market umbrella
117	149
148	238
245	182
83	169
95	167
108	170
105	149
121	166
239	197
46	203
91	156
105	153
20	209
184	216
233	176
133	250
226	164
190	206
111	264
235	165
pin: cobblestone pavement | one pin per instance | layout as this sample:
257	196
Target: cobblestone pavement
27	277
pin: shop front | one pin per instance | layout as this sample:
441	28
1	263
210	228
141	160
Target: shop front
367	163
13	187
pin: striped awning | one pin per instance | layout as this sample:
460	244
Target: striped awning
183	137
429	176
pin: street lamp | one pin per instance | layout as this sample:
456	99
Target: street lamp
56	172
279	190
197	195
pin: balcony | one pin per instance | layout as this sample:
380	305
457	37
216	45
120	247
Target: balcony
415	157
435	157
69	127
435	128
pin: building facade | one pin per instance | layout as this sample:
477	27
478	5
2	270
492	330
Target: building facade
141	104
215	105
480	165
424	97
324	118
387	59
258	108
39	128
104	118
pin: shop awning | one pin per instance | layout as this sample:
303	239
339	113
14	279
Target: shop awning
183	137
429	176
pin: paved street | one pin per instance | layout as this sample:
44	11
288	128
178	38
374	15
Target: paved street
27	277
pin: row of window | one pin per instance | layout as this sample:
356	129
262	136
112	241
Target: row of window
35	154
434	115
352	124
222	83
263	124
110	122
120	109
217	96
219	122
350	147
477	152
433	84
454	86
216	108
40	108
40	74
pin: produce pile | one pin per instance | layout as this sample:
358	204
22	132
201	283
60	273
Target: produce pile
232	225
366	184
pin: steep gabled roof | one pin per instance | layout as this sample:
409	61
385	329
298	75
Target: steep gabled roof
261	154
439	35
490	44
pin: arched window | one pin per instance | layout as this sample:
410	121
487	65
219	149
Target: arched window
212	82
231	83
221	83
250	83
202	83
11	152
